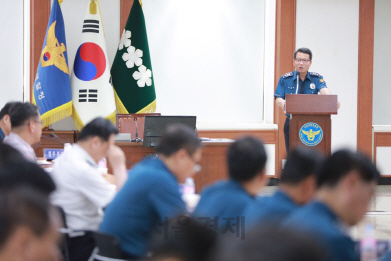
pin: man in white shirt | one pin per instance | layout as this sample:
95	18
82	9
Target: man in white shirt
26	129
82	191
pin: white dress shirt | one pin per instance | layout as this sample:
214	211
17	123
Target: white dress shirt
82	191
23	147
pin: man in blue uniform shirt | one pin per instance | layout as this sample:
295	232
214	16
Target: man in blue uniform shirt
297	187
151	194
300	81
222	204
5	121
346	183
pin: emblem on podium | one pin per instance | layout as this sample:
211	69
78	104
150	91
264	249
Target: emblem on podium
311	134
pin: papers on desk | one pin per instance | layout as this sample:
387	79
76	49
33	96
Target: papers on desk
43	162
223	140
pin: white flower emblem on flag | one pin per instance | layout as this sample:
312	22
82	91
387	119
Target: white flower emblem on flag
125	39
133	57
143	76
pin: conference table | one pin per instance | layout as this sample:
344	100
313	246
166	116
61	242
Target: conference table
214	166
213	162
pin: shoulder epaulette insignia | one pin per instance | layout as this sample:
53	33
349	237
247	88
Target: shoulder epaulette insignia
287	75
315	74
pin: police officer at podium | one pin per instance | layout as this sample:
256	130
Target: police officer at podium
300	81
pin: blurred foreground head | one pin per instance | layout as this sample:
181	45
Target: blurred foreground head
346	182
298	178
246	158
270	244
29	225
15	171
180	149
97	137
182	239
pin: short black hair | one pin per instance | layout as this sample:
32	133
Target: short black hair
9	155
98	127
271	243
23	206
22	112
246	158
178	136
340	163
185	238
16	172
303	50
301	163
5	109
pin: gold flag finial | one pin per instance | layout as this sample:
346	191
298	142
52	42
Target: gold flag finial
93	8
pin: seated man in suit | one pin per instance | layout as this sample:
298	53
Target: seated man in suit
223	203
346	183
296	187
151	194
26	128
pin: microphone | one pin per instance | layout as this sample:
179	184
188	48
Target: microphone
136	139
54	138
297	85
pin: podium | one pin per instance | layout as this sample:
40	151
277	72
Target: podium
310	125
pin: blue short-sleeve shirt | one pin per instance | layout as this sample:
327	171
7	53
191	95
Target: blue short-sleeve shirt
270	209
287	84
223	204
322	223
149	197
2	136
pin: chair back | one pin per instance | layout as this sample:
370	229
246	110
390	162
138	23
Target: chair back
108	248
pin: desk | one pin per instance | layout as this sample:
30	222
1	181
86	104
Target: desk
213	161
53	143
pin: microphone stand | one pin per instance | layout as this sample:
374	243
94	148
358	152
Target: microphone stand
136	139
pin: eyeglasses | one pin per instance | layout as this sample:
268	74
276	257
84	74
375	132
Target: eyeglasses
40	122
302	60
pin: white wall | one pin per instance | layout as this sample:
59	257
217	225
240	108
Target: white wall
330	30
11	51
381	64
207	58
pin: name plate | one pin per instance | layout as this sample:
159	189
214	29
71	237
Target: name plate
51	154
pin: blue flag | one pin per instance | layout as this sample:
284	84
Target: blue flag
52	90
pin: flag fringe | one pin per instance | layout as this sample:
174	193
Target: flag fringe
56	114
79	123
150	108
120	106
76	119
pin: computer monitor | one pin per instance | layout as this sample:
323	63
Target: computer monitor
154	127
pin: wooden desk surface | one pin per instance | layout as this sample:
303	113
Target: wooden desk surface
213	160
213	156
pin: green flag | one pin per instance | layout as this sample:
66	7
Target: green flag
131	73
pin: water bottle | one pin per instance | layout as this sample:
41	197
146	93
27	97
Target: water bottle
102	165
189	186
67	146
368	244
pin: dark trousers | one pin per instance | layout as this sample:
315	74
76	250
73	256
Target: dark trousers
286	134
80	248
